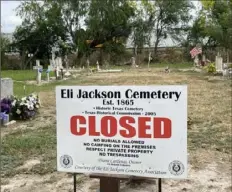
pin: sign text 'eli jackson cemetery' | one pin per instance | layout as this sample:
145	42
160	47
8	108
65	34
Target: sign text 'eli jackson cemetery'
128	130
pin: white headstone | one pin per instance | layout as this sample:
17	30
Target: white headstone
203	58
38	76
219	64
133	64
38	67
57	71
149	60
37	62
98	68
196	60
87	62
60	62
225	72
50	68
53	55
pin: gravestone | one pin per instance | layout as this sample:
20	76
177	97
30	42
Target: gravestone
87	63
133	64
48	73
50	68
98	67
149	60
57	72
219	64
38	67
196	61
6	87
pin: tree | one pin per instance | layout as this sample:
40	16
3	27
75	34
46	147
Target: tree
108	23
73	13
168	17
218	21
41	28
5	43
142	24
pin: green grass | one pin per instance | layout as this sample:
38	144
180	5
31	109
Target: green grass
23	75
19	88
157	65
25	145
171	65
210	138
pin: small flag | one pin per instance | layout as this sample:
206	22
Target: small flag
195	51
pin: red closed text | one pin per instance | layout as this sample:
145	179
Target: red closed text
126	126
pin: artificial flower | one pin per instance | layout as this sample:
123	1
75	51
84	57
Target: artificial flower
18	111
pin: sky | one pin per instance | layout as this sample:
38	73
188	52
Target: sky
9	20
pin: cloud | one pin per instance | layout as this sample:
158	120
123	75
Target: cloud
9	20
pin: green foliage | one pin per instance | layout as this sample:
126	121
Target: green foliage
41	28
210	68
168	18
4	43
73	12
17	147
142	24
109	20
218	21
23	75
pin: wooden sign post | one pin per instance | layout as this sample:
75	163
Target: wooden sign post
122	132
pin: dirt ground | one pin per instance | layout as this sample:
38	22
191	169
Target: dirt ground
209	168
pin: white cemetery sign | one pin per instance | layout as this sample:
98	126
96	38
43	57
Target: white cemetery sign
124	130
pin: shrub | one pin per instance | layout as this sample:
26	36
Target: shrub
211	68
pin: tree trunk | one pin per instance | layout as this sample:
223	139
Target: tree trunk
156	48
101	57
227	56
23	59
31	58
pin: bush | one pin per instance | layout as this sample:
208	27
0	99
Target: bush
211	68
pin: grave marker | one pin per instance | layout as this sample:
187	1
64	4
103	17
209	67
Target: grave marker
6	87
149	60
39	70
122	131
48	75
219	64
98	68
133	64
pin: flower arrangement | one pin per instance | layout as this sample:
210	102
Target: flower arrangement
6	105
21	108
